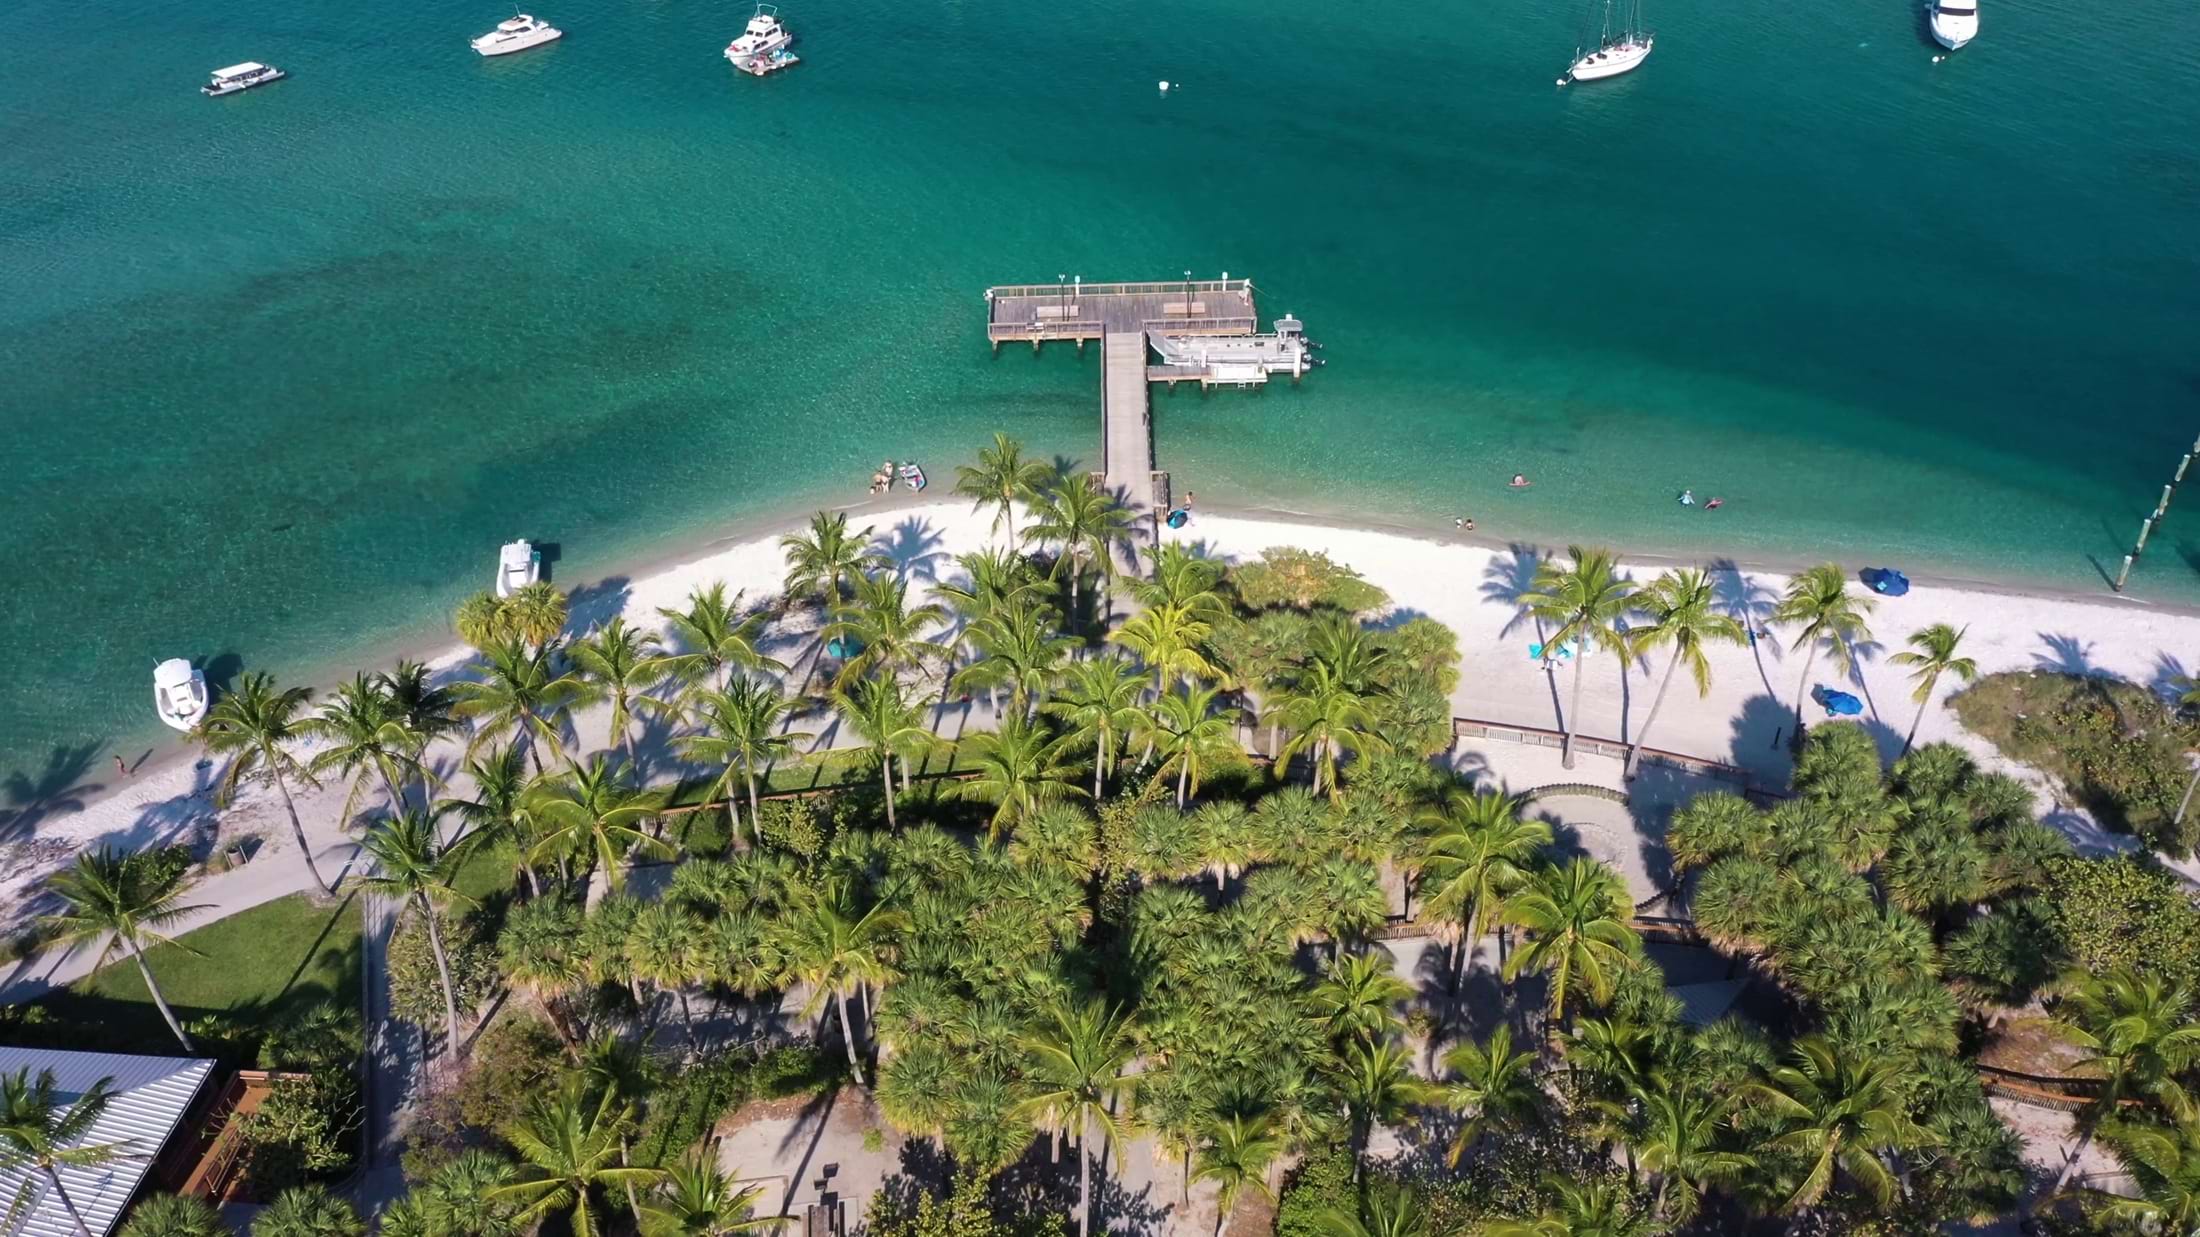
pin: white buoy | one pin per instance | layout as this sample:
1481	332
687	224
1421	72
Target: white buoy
1164	87
1938	59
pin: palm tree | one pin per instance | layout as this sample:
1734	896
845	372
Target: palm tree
1375	1080
39	1136
1357	998
1167	637
1023	652
254	725
1819	599
879	714
534	614
890	631
833	947
540	952
1474	856
1190	736
1585	1209
570	1144
2166	1162
2138	1031
1683	611
108	893
664	948
593	812
1019	767
1494	1083
1576	915
1099	704
1325	713
413	866
1235	1155
1002	478
697	1199
368	740
620	663
2187	688
522	693
1678	1144
1933	652
716	639
829	555
742	732
1184	580
1076	1062
1583	603
500	811
1840	1112
173	1215
426	711
1387	1209
1086	521
308	1211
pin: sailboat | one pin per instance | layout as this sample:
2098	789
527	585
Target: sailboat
1613	55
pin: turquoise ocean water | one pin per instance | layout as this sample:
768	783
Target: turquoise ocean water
279	371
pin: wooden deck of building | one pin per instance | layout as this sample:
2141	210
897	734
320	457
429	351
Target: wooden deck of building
1082	311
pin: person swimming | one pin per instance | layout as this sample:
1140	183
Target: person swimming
1714	504
1520	481
1688	498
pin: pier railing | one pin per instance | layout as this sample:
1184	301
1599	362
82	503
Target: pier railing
1162	287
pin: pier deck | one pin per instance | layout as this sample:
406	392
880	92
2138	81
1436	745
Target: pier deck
1040	312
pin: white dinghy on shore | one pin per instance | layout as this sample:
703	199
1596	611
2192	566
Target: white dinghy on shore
179	693
519	564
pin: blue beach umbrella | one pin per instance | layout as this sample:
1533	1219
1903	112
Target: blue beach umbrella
843	647
1885	581
1840	704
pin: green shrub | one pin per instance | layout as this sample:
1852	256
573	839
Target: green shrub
1303	579
2125	911
1322	1181
685	1106
306	1130
416	990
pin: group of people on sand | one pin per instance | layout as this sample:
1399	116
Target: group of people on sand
909	474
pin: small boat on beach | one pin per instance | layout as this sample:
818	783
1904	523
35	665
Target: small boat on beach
1613	54
179	693
519	564
1954	22
241	77
517	34
913	476
760	42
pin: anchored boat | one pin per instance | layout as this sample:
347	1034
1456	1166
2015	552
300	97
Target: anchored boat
762	46
241	77
1614	54
179	693
518	34
1246	360
519	564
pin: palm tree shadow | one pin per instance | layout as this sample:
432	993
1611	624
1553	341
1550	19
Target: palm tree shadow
2069	655
1509	577
1751	602
592	605
58	788
914	549
2170	679
817	1114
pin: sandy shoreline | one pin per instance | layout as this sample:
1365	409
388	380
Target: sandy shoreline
1463	580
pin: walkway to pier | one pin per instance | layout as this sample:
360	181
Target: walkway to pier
1126	424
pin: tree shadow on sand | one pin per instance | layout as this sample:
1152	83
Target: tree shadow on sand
914	549
57	789
592	605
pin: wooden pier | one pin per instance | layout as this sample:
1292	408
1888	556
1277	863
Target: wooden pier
1085	311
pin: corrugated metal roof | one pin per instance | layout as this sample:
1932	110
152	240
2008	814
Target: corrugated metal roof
1704	1004
151	1095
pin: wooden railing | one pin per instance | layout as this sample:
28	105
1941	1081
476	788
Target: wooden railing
1160	287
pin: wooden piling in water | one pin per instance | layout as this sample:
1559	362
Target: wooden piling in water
2161	509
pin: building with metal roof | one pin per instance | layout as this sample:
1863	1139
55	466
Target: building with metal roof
151	1096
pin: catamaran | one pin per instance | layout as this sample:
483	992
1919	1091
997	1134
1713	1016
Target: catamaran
1613	54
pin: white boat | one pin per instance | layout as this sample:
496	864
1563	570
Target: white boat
519	564
1614	54
763	37
241	77
516	35
1955	22
179	693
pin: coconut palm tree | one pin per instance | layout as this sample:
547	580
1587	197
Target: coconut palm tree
255	724
2138	1031
620	663
1326	714
427	710
825	558
697	1199
891	633
308	1211
1576	916
595	813
1099	703
1190	737
1677	1143
1184	580
1235	1155
173	1215
1168	637
1086	521
742	731
1932	653
521	692
1002	479
1831	619
571	1144
1840	1112
413	867
1387	1209
1684	615
368	740
1583	603
1019	767
1022	651
107	893
40	1136
1358	998
1076	1062
1374	1079
715	640
885	720
2165	1160
1492	1082
499	812
1584	1209
1475	854
535	614
835	946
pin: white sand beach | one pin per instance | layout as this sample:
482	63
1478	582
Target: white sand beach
1468	587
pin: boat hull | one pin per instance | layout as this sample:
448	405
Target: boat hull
184	706
230	88
1610	61
490	45
741	55
1953	33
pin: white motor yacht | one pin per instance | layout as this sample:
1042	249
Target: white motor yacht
519	564
516	35
241	77
179	693
1955	22
763	37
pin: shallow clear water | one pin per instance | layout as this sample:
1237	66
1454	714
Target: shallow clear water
281	370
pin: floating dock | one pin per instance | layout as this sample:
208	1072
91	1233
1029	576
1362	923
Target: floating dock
1204	330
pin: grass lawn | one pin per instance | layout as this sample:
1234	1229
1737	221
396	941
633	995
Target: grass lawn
255	967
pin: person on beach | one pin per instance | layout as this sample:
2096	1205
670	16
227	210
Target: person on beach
1463	524
121	769
1188	500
